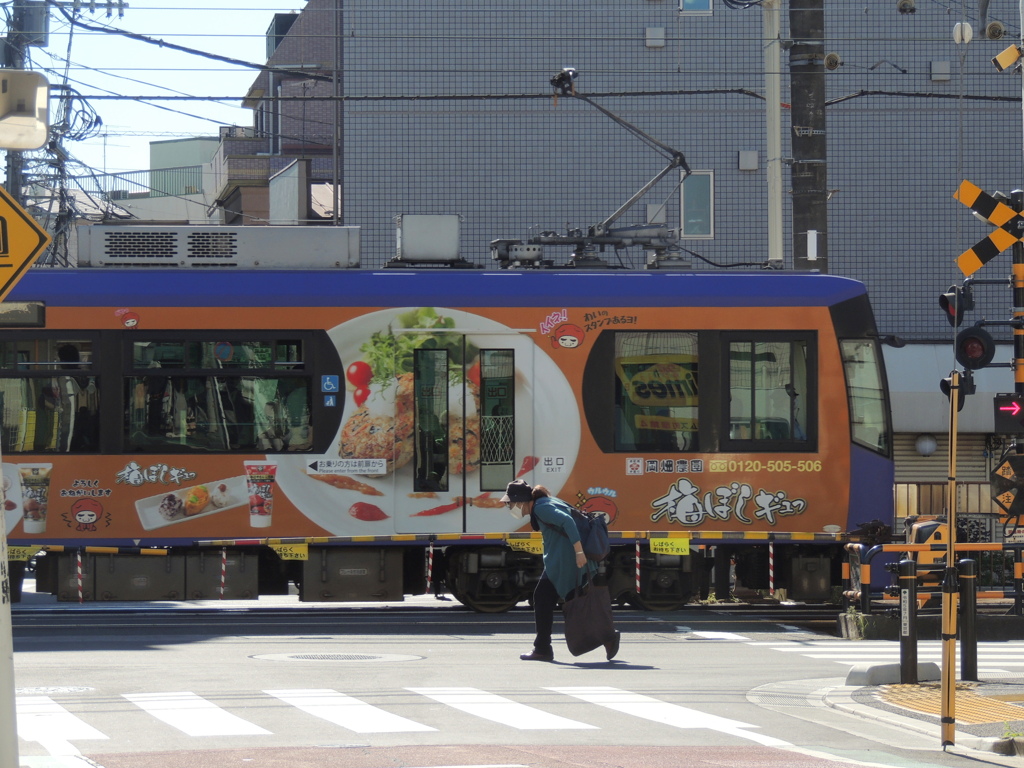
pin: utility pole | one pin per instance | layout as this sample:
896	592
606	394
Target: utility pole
14	58
809	170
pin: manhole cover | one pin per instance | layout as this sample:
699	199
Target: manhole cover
51	689
334	657
344	657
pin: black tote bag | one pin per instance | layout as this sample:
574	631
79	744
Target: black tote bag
588	619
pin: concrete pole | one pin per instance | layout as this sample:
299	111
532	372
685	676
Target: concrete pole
8	714
773	114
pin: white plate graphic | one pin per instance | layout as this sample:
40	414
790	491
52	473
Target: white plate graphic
149	508
553	431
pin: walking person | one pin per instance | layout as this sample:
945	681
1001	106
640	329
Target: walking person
565	564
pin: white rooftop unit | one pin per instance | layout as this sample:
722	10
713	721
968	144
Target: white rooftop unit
427	238
269	247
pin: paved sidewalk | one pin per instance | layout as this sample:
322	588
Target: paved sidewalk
989	714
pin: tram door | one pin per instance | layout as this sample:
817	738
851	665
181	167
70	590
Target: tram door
472	428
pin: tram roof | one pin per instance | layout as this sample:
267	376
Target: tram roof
407	287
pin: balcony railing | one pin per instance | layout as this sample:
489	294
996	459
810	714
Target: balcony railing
163	182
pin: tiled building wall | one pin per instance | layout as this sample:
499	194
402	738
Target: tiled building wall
448	110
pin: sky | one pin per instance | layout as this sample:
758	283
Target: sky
97	63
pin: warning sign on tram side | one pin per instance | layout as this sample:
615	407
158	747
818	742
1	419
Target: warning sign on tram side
1008	413
15	554
671	546
532	546
22	241
291	551
1007	481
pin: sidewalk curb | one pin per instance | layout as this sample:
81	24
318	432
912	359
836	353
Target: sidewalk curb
841	698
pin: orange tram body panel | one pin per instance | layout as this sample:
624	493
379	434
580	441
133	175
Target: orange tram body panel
351	432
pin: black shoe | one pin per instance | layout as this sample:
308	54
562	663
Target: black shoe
536	655
612	646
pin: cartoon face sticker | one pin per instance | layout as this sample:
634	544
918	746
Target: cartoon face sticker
129	319
86	512
567	336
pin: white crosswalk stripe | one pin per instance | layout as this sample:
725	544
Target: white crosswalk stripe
499	709
193	715
663	712
991	656
46	722
347	711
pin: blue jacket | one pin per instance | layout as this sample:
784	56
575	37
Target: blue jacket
559	533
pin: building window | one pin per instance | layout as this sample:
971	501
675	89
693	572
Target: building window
696	7
697	205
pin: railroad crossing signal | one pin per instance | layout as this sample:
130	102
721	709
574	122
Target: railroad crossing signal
1008	413
1009	223
1007	481
22	240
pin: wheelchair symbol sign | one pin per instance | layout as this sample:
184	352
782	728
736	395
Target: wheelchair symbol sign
330	383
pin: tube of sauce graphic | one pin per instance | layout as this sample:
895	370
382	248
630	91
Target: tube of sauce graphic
259	481
35	495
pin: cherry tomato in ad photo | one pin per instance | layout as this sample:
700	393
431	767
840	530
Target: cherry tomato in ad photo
359	374
360	395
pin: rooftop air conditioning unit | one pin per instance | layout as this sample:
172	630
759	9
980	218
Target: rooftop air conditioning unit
101	245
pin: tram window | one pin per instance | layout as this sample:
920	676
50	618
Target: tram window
497	418
46	354
57	412
770	385
431	422
217	413
869	421
222	353
656	392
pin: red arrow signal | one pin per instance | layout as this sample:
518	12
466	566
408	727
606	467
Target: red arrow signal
1014	408
1008	416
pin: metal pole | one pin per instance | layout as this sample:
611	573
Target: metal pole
968	619
1018	583
337	151
722	591
773	135
15	59
949	581
8	713
1017	251
908	622
865	587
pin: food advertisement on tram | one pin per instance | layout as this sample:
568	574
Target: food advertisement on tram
433	410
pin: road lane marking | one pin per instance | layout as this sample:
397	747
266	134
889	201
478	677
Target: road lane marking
499	709
663	712
346	711
720	636
44	721
193	715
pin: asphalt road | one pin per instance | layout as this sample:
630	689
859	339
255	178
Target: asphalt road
426	684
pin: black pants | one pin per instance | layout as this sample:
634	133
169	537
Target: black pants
545	600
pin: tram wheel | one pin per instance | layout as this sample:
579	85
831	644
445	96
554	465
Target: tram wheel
486	604
660	602
493	605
